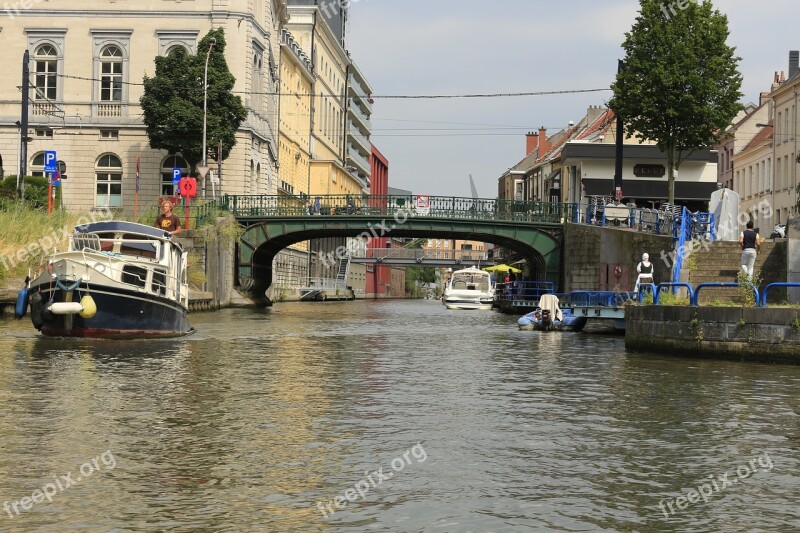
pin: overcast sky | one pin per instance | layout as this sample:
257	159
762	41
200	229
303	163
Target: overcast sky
475	46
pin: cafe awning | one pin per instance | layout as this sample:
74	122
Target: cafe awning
650	189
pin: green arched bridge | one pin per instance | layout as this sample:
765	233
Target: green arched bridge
532	229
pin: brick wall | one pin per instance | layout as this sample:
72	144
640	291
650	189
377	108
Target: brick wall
603	258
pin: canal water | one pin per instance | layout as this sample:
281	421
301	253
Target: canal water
389	416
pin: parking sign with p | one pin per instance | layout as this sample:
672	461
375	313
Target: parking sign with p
50	161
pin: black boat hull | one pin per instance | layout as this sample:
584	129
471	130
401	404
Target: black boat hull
120	314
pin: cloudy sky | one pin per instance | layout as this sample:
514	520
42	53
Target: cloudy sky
415	47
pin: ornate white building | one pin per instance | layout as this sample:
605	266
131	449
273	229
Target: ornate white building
87	62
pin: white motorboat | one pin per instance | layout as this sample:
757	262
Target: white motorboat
469	288
117	280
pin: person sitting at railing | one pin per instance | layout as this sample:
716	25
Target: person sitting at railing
645	270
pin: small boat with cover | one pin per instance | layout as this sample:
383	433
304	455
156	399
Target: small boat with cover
548	316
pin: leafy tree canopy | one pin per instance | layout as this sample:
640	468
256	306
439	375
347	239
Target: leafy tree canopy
173	101
680	84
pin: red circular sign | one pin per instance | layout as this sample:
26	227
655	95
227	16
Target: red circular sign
188	187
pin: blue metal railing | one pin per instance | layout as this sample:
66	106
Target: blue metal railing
523	290
674	285
724	284
766	290
597	298
651	287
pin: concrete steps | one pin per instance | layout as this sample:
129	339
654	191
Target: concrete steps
721	262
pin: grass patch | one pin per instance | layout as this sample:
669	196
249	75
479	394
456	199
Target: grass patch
722	303
746	294
29	235
196	274
667	298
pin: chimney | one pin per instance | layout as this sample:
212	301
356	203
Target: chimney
783	77
544	145
776	82
762	97
531	142
794	62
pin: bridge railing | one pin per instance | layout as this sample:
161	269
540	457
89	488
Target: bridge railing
424	253
522	290
450	207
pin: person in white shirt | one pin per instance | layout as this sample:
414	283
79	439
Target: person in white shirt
645	270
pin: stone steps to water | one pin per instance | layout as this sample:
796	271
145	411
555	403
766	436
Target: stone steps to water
721	262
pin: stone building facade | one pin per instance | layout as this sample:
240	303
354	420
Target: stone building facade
87	63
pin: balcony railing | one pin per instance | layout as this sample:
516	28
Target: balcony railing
362	140
108	110
45	109
356	110
359	160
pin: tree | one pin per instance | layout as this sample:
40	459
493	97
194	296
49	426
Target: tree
173	101
680	84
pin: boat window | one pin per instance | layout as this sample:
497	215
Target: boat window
134	275
159	285
138	249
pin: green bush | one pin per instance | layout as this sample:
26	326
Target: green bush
35	192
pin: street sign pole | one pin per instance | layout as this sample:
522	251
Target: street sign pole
50	168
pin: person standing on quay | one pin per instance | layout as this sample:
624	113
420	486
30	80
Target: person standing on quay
167	220
750	241
645	270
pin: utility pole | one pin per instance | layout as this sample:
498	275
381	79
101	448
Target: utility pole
23	125
618	162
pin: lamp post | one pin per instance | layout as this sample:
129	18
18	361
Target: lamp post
211	43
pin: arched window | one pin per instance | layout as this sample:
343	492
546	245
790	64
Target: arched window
111	74
176	49
257	189
37	165
252	177
108	179
45	64
170	163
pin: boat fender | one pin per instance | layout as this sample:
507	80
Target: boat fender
36	310
21	309
89	307
47	315
65	308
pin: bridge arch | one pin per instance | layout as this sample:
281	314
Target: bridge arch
539	243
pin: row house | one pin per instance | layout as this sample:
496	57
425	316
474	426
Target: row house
759	157
87	62
578	163
785	147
